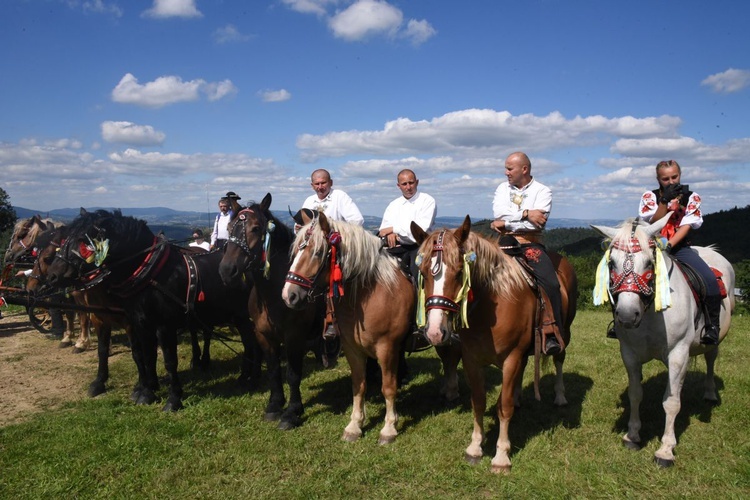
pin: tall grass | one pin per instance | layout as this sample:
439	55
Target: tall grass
219	446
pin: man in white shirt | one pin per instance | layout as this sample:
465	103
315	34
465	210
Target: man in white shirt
199	241
398	216
336	204
220	235
521	207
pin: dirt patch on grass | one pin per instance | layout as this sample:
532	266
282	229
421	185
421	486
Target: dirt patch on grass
35	373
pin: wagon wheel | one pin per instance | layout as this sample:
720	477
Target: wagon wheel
40	319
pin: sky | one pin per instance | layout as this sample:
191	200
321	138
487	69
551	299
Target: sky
172	103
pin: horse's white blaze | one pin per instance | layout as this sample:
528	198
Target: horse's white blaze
436	317
292	268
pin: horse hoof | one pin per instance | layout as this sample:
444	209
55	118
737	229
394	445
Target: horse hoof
271	416
96	389
631	445
501	469
383	440
472	460
146	399
63	345
663	462
172	406
350	437
289	423
78	350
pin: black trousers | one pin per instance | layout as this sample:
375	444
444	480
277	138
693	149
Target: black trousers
544	271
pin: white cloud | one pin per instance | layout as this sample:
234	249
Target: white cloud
96	7
167	90
130	133
419	31
219	90
366	18
229	34
163	9
478	132
317	7
275	95
731	80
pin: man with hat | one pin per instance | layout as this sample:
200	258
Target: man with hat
220	235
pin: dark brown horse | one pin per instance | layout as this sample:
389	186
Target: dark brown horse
374	303
257	256
160	289
474	289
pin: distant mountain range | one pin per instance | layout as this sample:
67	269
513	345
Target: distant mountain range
161	216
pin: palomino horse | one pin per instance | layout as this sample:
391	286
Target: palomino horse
458	267
23	243
257	255
374	304
642	282
159	288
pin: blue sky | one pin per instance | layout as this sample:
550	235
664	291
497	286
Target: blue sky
174	102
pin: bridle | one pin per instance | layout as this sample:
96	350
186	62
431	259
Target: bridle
253	254
464	295
329	262
629	280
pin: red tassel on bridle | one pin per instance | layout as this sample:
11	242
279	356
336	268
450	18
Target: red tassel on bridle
336	285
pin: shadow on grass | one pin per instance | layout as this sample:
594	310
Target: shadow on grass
652	411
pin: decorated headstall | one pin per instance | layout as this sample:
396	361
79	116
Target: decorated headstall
464	296
651	284
333	259
89	251
241	221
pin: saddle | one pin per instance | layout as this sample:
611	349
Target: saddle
697	285
544	323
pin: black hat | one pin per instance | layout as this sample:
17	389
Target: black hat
233	196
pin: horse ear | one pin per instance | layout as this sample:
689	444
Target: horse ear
607	232
83	212
266	203
657	226
463	232
235	207
418	233
324	225
303	216
36	219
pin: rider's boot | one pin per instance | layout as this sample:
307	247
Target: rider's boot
711	332
58	323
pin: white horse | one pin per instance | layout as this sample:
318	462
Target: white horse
645	332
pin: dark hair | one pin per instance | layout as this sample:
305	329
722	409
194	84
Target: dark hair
198	233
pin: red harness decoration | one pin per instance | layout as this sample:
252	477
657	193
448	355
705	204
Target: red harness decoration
336	285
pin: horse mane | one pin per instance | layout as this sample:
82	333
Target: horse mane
362	261
493	269
623	239
34	230
115	223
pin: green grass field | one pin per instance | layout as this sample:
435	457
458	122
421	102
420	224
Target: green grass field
219	446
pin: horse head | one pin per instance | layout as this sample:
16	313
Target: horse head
631	260
46	247
249	233
22	240
446	280
97	241
310	254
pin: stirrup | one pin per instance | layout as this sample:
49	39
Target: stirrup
331	332
551	346
611	333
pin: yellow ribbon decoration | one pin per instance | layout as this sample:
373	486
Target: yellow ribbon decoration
663	298
601	285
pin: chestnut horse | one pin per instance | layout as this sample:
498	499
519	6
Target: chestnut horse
658	317
21	248
374	304
458	267
256	256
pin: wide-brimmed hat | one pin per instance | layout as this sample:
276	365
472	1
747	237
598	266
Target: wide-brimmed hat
231	195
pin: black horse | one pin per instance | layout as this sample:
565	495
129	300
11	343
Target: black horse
160	289
258	252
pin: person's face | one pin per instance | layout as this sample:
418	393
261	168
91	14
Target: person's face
668	175
515	170
321	184
196	237
407	183
224	207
